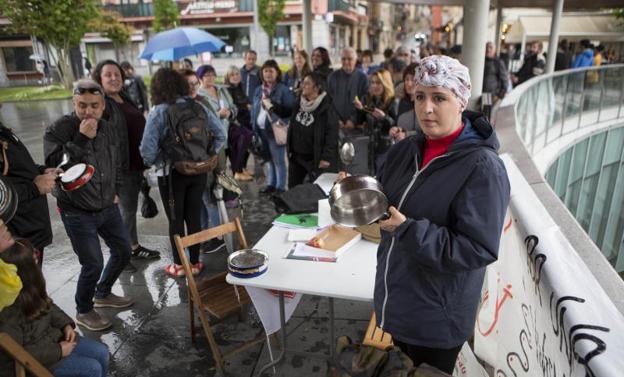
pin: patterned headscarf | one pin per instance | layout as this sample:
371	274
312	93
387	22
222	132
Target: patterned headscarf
445	72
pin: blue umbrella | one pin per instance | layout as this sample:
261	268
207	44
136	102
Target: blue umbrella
177	43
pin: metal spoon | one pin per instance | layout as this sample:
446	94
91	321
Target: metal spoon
64	160
347	152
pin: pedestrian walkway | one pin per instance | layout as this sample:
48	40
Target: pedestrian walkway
152	337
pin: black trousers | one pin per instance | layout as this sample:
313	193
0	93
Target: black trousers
187	196
298	169
442	359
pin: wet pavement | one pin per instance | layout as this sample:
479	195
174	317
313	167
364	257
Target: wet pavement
152	338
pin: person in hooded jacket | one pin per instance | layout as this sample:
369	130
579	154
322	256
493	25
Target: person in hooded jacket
448	193
312	142
585	58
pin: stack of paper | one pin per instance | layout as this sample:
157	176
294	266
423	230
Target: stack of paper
297	221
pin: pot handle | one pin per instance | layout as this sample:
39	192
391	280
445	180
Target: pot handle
384	216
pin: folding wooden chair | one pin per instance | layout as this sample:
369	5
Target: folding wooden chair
376	337
23	360
214	295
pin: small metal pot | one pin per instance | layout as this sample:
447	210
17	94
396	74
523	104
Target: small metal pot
357	200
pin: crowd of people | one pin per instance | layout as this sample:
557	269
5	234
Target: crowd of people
192	127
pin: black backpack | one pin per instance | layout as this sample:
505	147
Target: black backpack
188	144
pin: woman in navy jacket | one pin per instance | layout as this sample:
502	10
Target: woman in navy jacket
272	100
448	192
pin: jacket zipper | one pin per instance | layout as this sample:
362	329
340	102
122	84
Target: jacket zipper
409	187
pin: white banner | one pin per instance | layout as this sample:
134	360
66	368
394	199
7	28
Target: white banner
542	312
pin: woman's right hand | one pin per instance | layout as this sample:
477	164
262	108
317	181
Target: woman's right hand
67	347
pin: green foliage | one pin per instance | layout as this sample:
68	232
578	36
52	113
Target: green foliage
61	23
29	93
110	25
269	13
166	15
619	15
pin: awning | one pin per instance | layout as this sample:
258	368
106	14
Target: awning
573	27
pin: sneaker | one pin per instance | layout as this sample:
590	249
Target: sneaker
112	301
93	321
197	268
175	270
145	253
130	268
212	246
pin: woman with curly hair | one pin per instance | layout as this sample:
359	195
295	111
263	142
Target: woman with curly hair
377	114
42	328
169	87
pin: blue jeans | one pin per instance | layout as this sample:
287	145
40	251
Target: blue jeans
277	163
210	216
88	359
83	229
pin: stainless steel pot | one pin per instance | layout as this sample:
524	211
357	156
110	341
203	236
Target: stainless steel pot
357	200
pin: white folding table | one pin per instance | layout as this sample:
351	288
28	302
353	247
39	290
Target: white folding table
352	277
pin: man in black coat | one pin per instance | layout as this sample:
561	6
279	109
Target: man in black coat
31	182
91	211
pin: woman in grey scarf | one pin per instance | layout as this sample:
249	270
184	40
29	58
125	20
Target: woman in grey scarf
312	138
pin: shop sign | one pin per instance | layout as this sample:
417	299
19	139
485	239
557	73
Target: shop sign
200	7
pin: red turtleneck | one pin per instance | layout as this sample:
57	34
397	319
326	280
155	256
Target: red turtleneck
437	147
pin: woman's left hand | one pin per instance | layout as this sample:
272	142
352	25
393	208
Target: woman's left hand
323	164
378	114
396	219
70	334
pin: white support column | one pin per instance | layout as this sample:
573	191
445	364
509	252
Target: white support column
307	26
259	38
473	49
499	22
554	36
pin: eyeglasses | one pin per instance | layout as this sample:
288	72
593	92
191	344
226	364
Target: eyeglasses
194	83
79	91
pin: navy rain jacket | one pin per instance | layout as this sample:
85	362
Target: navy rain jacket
430	269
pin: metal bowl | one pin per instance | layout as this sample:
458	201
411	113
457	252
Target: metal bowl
247	259
357	200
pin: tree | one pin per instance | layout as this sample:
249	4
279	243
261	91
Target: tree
109	24
619	15
59	23
269	13
166	15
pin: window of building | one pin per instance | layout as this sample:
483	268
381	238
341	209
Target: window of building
281	41
236	41
17	59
